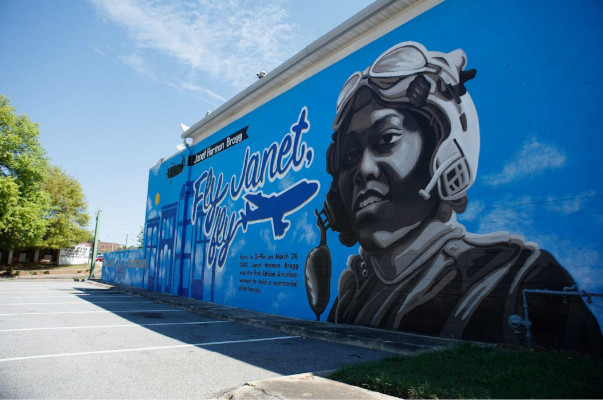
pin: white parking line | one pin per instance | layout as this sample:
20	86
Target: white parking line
111	326
146	348
75	291
77	302
82	295
90	312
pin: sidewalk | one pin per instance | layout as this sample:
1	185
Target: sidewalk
307	386
302	386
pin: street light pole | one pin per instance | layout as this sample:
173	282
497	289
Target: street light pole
94	246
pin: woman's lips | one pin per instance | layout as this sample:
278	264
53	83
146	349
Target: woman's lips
373	194
369	200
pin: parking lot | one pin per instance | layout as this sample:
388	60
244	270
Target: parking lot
65	339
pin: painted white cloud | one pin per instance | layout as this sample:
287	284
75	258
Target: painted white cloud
230	292
473	211
235	249
567	206
516	215
286	182
533	158
282	299
266	236
228	41
509	214
152	211
305	231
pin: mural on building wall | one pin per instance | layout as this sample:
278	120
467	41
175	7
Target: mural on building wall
125	267
404	153
410	236
189	241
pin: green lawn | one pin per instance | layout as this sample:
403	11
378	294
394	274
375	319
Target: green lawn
468	371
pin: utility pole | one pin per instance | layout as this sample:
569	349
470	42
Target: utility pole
94	246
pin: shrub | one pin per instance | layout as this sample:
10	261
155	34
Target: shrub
46	272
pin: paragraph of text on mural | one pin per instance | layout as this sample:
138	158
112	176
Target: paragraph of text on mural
267	270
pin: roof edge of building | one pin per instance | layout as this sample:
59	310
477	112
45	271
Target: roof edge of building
372	22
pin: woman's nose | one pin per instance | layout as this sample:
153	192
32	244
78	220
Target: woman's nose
367	168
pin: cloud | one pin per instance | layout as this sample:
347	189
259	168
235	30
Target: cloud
152	211
533	158
138	64
519	216
222	41
567	206
194	88
583	263
235	249
509	214
100	52
282	299
230	292
473	211
266	235
286	182
304	230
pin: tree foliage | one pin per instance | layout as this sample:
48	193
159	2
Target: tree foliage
40	205
140	238
66	216
22	171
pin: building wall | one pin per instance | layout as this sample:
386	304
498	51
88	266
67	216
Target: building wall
232	219
125	267
108	246
79	254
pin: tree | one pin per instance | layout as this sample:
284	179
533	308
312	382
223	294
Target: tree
66	217
140	238
22	171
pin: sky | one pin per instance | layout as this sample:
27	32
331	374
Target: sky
110	81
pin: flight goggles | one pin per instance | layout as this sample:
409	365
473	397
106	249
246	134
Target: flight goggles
386	77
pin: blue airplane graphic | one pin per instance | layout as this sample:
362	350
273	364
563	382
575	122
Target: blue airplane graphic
276	206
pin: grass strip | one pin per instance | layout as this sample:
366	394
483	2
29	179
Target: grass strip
469	371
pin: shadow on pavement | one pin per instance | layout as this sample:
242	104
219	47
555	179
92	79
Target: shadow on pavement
244	336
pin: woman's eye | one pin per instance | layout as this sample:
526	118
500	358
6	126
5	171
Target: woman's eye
350	156
388	138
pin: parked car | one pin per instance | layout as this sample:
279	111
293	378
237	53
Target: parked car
99	257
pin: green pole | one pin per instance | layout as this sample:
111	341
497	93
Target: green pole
94	246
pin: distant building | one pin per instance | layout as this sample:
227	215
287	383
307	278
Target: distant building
81	253
28	256
104	247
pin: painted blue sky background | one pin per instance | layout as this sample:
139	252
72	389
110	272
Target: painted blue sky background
109	82
539	172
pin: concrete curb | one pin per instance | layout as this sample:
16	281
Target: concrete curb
302	386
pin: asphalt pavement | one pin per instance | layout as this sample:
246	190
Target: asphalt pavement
67	339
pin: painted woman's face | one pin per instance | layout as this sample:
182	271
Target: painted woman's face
379	179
